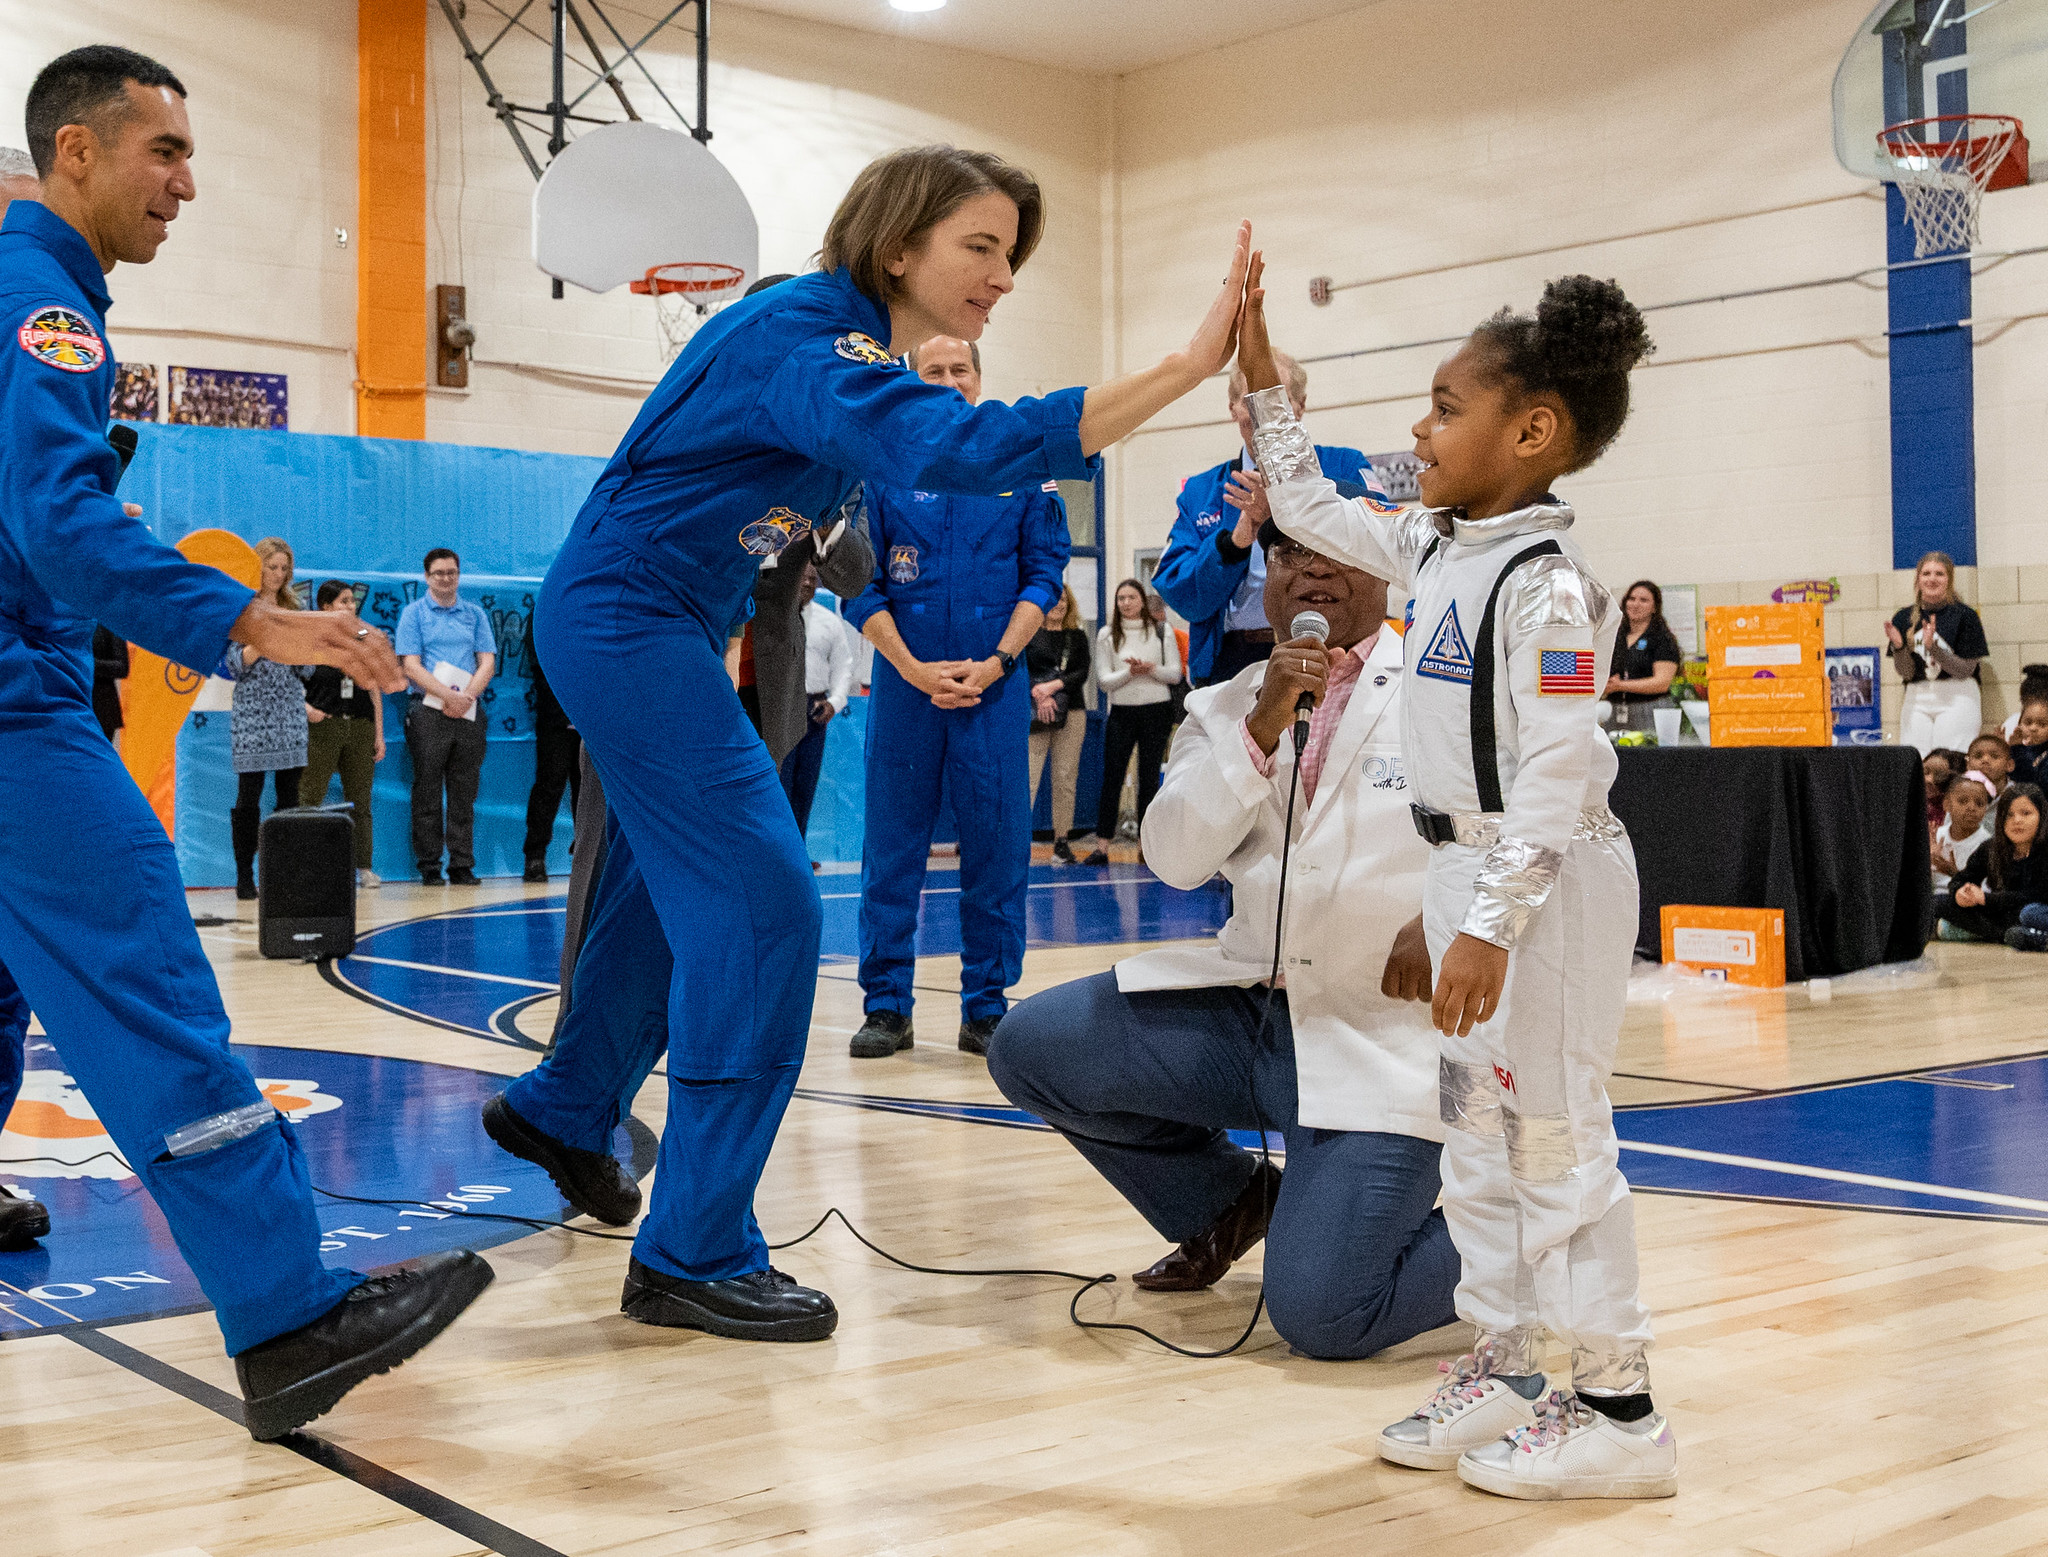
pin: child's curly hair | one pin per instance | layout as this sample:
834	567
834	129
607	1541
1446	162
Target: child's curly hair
1580	344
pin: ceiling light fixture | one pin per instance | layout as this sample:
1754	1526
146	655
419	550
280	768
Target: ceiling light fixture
917	5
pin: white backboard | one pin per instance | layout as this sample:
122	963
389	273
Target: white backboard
626	197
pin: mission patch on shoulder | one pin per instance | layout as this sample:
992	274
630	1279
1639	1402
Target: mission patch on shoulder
62	338
862	348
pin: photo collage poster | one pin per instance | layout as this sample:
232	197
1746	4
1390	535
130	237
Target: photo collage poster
200	397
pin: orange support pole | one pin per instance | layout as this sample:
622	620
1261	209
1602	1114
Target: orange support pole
391	218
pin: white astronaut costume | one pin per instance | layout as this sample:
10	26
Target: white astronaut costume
1533	1190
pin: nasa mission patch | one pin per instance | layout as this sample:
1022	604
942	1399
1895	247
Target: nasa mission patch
770	535
862	348
61	338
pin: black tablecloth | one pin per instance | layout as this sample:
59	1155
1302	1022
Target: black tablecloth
1836	836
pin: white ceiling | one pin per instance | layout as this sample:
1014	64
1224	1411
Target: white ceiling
1101	37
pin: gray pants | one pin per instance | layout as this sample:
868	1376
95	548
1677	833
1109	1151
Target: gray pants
447	754
584	870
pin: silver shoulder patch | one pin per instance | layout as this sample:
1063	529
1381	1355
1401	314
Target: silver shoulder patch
1553	592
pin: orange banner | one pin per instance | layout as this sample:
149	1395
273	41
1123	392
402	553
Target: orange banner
158	694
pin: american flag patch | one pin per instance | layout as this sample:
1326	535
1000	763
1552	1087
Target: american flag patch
1564	673
1050	486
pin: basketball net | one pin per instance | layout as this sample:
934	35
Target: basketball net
1942	181
685	295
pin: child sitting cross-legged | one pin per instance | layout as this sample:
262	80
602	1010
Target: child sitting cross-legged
1998	895
1962	831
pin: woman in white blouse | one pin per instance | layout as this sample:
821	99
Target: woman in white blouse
1137	662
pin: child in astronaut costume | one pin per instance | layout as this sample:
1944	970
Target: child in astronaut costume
1530	906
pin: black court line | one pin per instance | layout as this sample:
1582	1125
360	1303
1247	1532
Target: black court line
410	1495
1680	1081
1833	1205
342	983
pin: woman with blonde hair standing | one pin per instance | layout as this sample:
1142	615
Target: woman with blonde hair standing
267	729
1936	644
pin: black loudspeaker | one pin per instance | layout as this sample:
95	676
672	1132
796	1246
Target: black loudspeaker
306	876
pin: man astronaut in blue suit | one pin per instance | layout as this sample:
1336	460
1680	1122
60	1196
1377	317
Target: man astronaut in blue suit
113	966
1213	571
961	584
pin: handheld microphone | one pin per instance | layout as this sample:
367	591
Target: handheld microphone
1308	624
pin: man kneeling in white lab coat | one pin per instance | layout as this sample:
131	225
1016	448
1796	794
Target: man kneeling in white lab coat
1145	1068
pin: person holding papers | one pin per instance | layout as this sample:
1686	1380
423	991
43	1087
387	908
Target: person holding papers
449	653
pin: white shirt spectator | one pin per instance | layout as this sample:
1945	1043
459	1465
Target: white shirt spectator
1142	640
1952	854
828	655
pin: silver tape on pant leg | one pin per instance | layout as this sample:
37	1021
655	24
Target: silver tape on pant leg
1514	1353
1610	1372
1540	1148
1468	1097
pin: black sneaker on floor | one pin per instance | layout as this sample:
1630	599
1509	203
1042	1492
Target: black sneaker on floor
882	1034
594	1183
976	1032
292	1378
461	876
1099	857
430	875
536	871
1063	851
23	1219
764	1305
2025	938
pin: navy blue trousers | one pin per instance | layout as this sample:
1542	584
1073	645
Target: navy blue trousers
980	759
703	938
130	1003
1145	1085
800	770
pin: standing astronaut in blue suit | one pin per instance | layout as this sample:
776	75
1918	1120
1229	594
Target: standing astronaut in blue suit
112	964
755	434
1213	571
960	586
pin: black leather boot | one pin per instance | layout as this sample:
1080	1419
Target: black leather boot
764	1305
595	1183
292	1378
22	1221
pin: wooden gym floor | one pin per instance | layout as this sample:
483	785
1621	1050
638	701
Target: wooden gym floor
1840	1379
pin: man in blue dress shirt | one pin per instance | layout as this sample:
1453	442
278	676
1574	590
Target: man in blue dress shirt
117	976
1212	571
444	724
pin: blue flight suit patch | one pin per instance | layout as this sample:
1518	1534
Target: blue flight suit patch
63	339
903	564
862	348
1447	658
770	535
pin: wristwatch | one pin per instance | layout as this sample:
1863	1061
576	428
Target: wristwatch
1007	661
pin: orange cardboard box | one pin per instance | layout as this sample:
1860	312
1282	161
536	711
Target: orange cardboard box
1790	729
1785	640
1741	945
1772	696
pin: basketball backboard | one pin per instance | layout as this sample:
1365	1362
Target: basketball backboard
1911	59
629	196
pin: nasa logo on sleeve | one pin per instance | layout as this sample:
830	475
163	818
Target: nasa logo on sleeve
1379	507
62	338
862	348
1207	521
903	564
770	535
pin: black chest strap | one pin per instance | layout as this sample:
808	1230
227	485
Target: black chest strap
1485	738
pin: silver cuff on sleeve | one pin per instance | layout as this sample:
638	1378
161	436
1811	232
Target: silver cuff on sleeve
1514	881
1514	1353
1540	1148
1620	1372
1285	450
1468	1097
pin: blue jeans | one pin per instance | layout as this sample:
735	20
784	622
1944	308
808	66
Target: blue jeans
2034	916
1145	1085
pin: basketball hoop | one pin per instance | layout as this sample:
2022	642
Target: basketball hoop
1943	181
685	295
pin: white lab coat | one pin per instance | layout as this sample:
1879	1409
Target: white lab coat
1363	1062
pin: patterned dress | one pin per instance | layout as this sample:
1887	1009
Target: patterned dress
267	729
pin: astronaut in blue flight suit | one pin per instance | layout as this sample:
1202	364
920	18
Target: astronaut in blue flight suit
958	580
117	976
1213	571
756	432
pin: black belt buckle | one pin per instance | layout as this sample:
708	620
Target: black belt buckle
1436	827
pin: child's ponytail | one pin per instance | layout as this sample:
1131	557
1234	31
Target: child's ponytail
1584	339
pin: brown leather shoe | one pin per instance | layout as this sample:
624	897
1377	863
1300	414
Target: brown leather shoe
1203	1259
